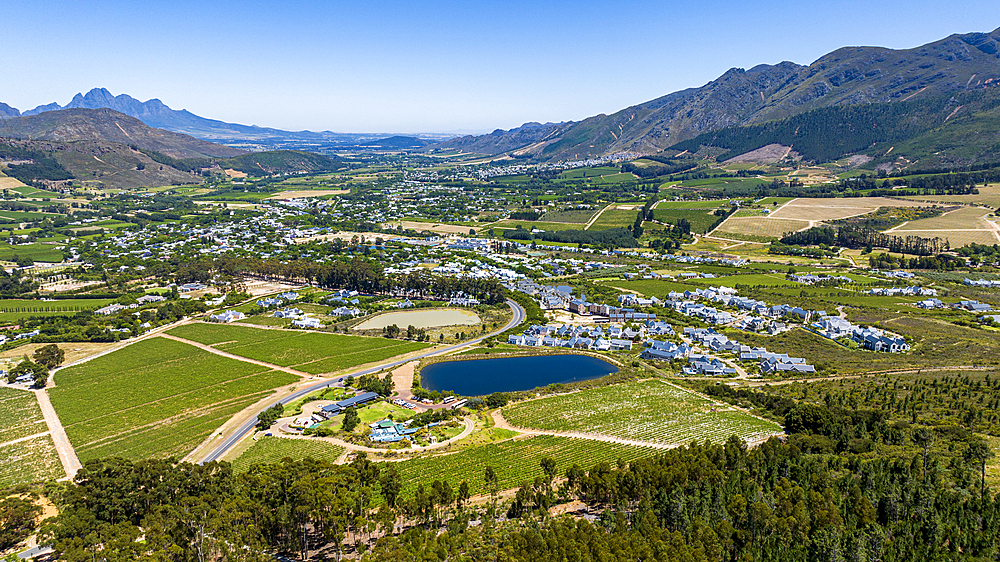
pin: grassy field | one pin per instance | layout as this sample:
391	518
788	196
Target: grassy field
759	226
614	218
312	352
154	398
651	411
514	461
30	460
273	449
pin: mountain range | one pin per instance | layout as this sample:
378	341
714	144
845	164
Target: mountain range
848	76
157	114
946	88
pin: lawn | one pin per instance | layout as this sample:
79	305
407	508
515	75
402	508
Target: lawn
155	398
312	352
30	460
650	411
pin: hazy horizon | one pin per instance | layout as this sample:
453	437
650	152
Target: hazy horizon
442	67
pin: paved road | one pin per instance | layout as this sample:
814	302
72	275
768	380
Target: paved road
243	430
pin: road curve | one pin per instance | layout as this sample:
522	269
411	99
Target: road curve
242	431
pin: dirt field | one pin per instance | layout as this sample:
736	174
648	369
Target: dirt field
820	209
9	183
442	228
235	173
75	351
308	193
257	288
760	226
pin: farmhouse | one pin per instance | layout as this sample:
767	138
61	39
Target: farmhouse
227	316
354	401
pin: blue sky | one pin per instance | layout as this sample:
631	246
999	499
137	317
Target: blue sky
394	66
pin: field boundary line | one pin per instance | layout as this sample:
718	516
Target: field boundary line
28	438
597	216
219	352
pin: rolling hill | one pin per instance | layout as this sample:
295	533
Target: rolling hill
107	125
847	76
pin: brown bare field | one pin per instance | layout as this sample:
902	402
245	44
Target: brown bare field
434	227
10	183
74	351
760	226
308	193
235	173
989	196
957	238
823	209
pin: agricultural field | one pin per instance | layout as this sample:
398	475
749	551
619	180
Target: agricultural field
515	461
708	204
273	449
27	460
827	209
988	196
311	352
760	226
154	398
614	218
960	227
701	220
595	172
650	411
581	216
35	252
20	415
528	225
12	310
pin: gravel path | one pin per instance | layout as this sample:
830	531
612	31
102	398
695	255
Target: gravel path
67	455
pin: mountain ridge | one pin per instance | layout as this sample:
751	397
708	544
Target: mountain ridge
848	75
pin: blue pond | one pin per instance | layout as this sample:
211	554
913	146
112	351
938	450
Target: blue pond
484	376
